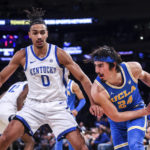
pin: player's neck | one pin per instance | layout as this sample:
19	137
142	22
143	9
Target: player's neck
41	52
116	79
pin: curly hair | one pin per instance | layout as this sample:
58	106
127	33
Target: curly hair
107	51
35	16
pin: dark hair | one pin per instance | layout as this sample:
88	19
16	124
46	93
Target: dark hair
107	51
35	16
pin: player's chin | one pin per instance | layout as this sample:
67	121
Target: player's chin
39	45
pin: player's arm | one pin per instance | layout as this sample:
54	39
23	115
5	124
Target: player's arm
16	60
76	89
139	73
22	97
101	98
66	60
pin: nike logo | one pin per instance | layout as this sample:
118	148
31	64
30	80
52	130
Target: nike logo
32	62
111	93
129	82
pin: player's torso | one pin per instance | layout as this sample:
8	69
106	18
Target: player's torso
127	96
44	75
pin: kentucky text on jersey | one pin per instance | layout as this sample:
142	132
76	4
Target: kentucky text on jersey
42	69
123	94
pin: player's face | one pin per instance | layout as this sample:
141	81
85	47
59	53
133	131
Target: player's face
102	69
38	34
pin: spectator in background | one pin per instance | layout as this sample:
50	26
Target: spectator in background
98	137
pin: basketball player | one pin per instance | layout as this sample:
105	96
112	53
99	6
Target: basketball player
11	101
116	88
44	65
73	91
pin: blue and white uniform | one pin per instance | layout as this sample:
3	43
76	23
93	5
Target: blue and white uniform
46	99
127	97
8	103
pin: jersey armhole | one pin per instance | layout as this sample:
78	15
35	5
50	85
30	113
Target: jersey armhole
130	73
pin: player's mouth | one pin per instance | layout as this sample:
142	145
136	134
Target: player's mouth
39	42
101	75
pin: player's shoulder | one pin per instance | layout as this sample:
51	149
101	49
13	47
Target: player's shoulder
135	68
133	65
98	86
97	90
20	53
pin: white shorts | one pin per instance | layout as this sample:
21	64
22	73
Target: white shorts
56	114
6	110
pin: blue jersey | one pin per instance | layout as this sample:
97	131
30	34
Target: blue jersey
71	97
127	96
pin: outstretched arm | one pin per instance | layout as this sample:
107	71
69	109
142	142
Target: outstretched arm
21	97
101	98
18	59
66	60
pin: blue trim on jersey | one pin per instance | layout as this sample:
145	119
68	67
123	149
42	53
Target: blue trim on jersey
63	77
63	134
26	64
25	123
24	86
56	56
41	59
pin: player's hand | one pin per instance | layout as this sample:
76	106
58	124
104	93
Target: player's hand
74	112
96	110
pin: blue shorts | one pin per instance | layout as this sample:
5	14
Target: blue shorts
126	135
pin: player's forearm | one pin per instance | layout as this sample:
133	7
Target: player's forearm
86	83
129	115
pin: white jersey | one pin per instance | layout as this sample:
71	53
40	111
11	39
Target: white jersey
12	93
45	75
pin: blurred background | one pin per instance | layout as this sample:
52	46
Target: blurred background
80	26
